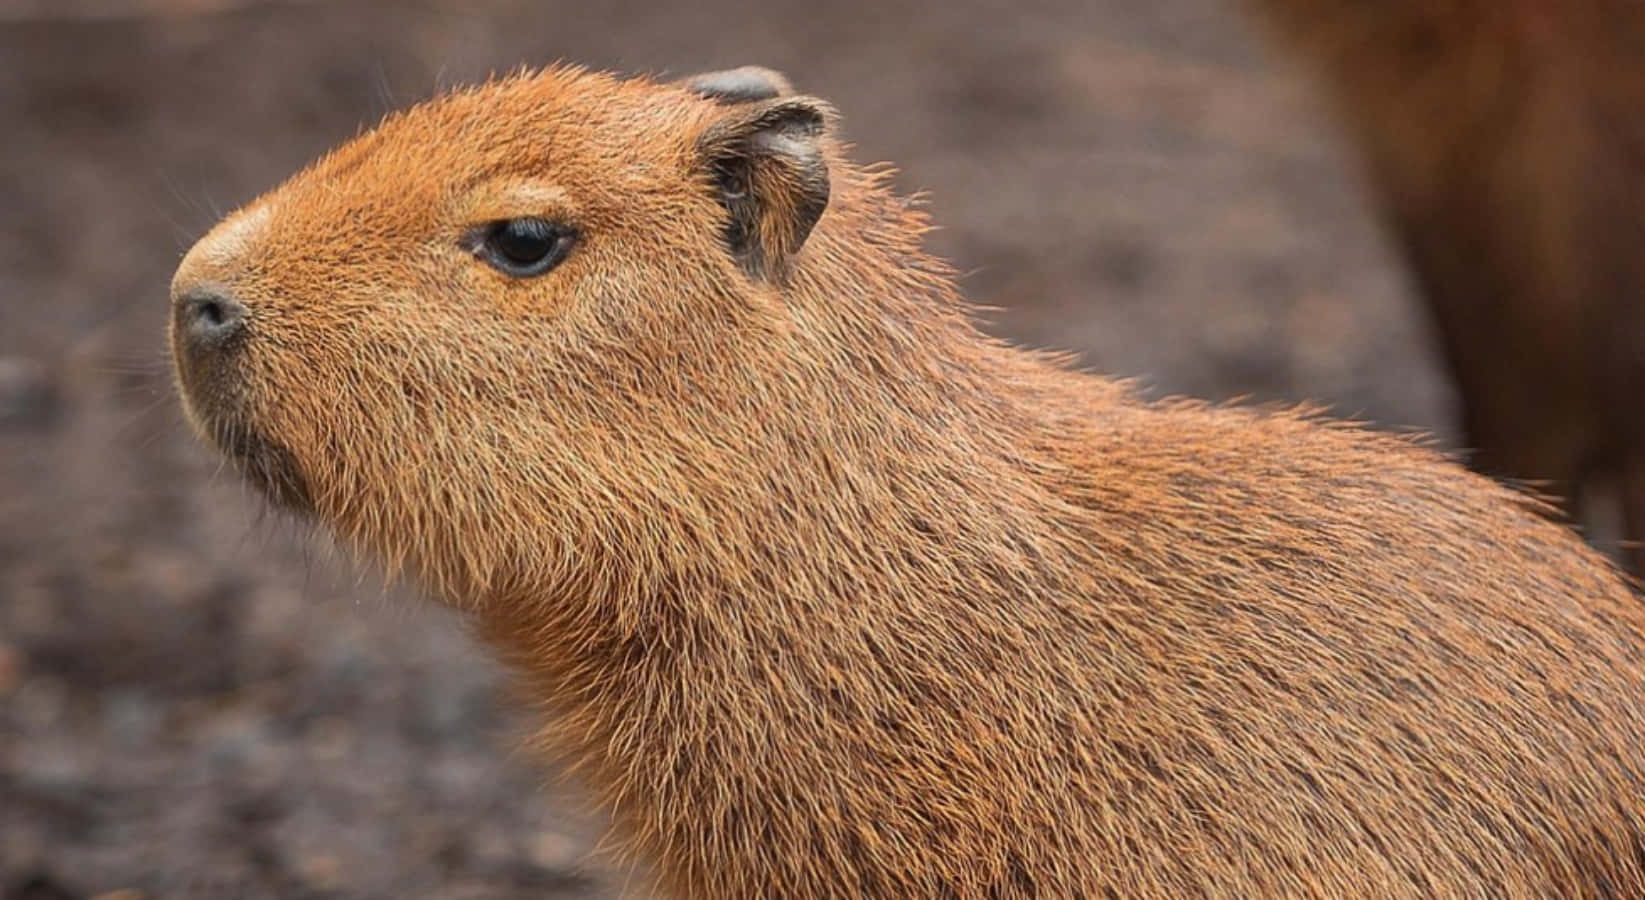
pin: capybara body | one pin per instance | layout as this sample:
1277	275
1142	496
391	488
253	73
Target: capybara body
1506	146
823	592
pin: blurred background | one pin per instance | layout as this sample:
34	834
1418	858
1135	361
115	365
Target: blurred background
201	700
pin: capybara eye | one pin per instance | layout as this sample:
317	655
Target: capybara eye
525	247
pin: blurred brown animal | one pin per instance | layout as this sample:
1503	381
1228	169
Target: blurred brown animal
1506	144
824	592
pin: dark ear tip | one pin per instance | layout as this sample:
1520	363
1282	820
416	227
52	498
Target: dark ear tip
807	116
796	118
745	84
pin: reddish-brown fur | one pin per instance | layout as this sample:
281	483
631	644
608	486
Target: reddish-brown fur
826	593
1506	142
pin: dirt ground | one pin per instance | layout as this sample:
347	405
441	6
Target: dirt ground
199	700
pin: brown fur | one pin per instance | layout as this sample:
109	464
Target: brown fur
826	593
1507	143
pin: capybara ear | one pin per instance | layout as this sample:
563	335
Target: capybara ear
745	84
765	161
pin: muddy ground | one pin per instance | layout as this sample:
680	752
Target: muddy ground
198	700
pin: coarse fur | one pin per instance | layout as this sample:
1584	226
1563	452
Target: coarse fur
1506	145
826	593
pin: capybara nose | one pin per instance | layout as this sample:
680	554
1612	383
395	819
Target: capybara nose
208	320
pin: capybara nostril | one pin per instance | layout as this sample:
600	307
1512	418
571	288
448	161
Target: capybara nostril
208	320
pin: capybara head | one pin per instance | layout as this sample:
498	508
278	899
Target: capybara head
493	320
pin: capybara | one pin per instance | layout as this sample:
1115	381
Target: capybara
823	592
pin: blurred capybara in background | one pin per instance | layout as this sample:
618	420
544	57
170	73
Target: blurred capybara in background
1506	142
